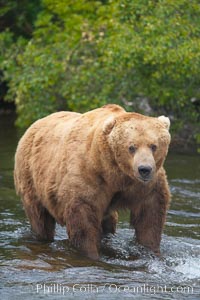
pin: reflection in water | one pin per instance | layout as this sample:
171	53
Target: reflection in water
35	270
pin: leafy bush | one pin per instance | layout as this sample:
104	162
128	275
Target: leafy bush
83	54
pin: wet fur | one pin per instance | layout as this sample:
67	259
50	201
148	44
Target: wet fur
67	171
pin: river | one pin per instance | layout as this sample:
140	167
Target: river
36	270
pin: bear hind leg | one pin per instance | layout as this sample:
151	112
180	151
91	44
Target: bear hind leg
42	223
109	222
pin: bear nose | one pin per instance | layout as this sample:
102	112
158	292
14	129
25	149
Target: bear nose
144	171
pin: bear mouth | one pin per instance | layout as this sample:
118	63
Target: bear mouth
145	180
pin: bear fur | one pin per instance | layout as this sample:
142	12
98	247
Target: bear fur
79	169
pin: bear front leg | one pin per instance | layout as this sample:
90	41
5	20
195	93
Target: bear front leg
149	220
83	227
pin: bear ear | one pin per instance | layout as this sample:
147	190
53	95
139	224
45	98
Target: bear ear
108	125
165	121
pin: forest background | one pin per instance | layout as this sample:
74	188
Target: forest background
78	55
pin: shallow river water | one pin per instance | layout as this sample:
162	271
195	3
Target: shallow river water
35	270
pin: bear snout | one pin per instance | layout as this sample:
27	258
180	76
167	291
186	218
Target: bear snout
145	172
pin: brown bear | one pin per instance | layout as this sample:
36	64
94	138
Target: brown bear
79	169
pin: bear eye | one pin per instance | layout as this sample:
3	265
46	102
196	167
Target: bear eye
153	148
132	149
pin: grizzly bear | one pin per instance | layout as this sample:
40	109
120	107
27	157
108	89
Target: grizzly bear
79	169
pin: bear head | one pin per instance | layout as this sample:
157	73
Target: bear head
139	143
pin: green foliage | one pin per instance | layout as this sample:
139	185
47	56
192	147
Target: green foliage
18	16
83	54
197	137
16	27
